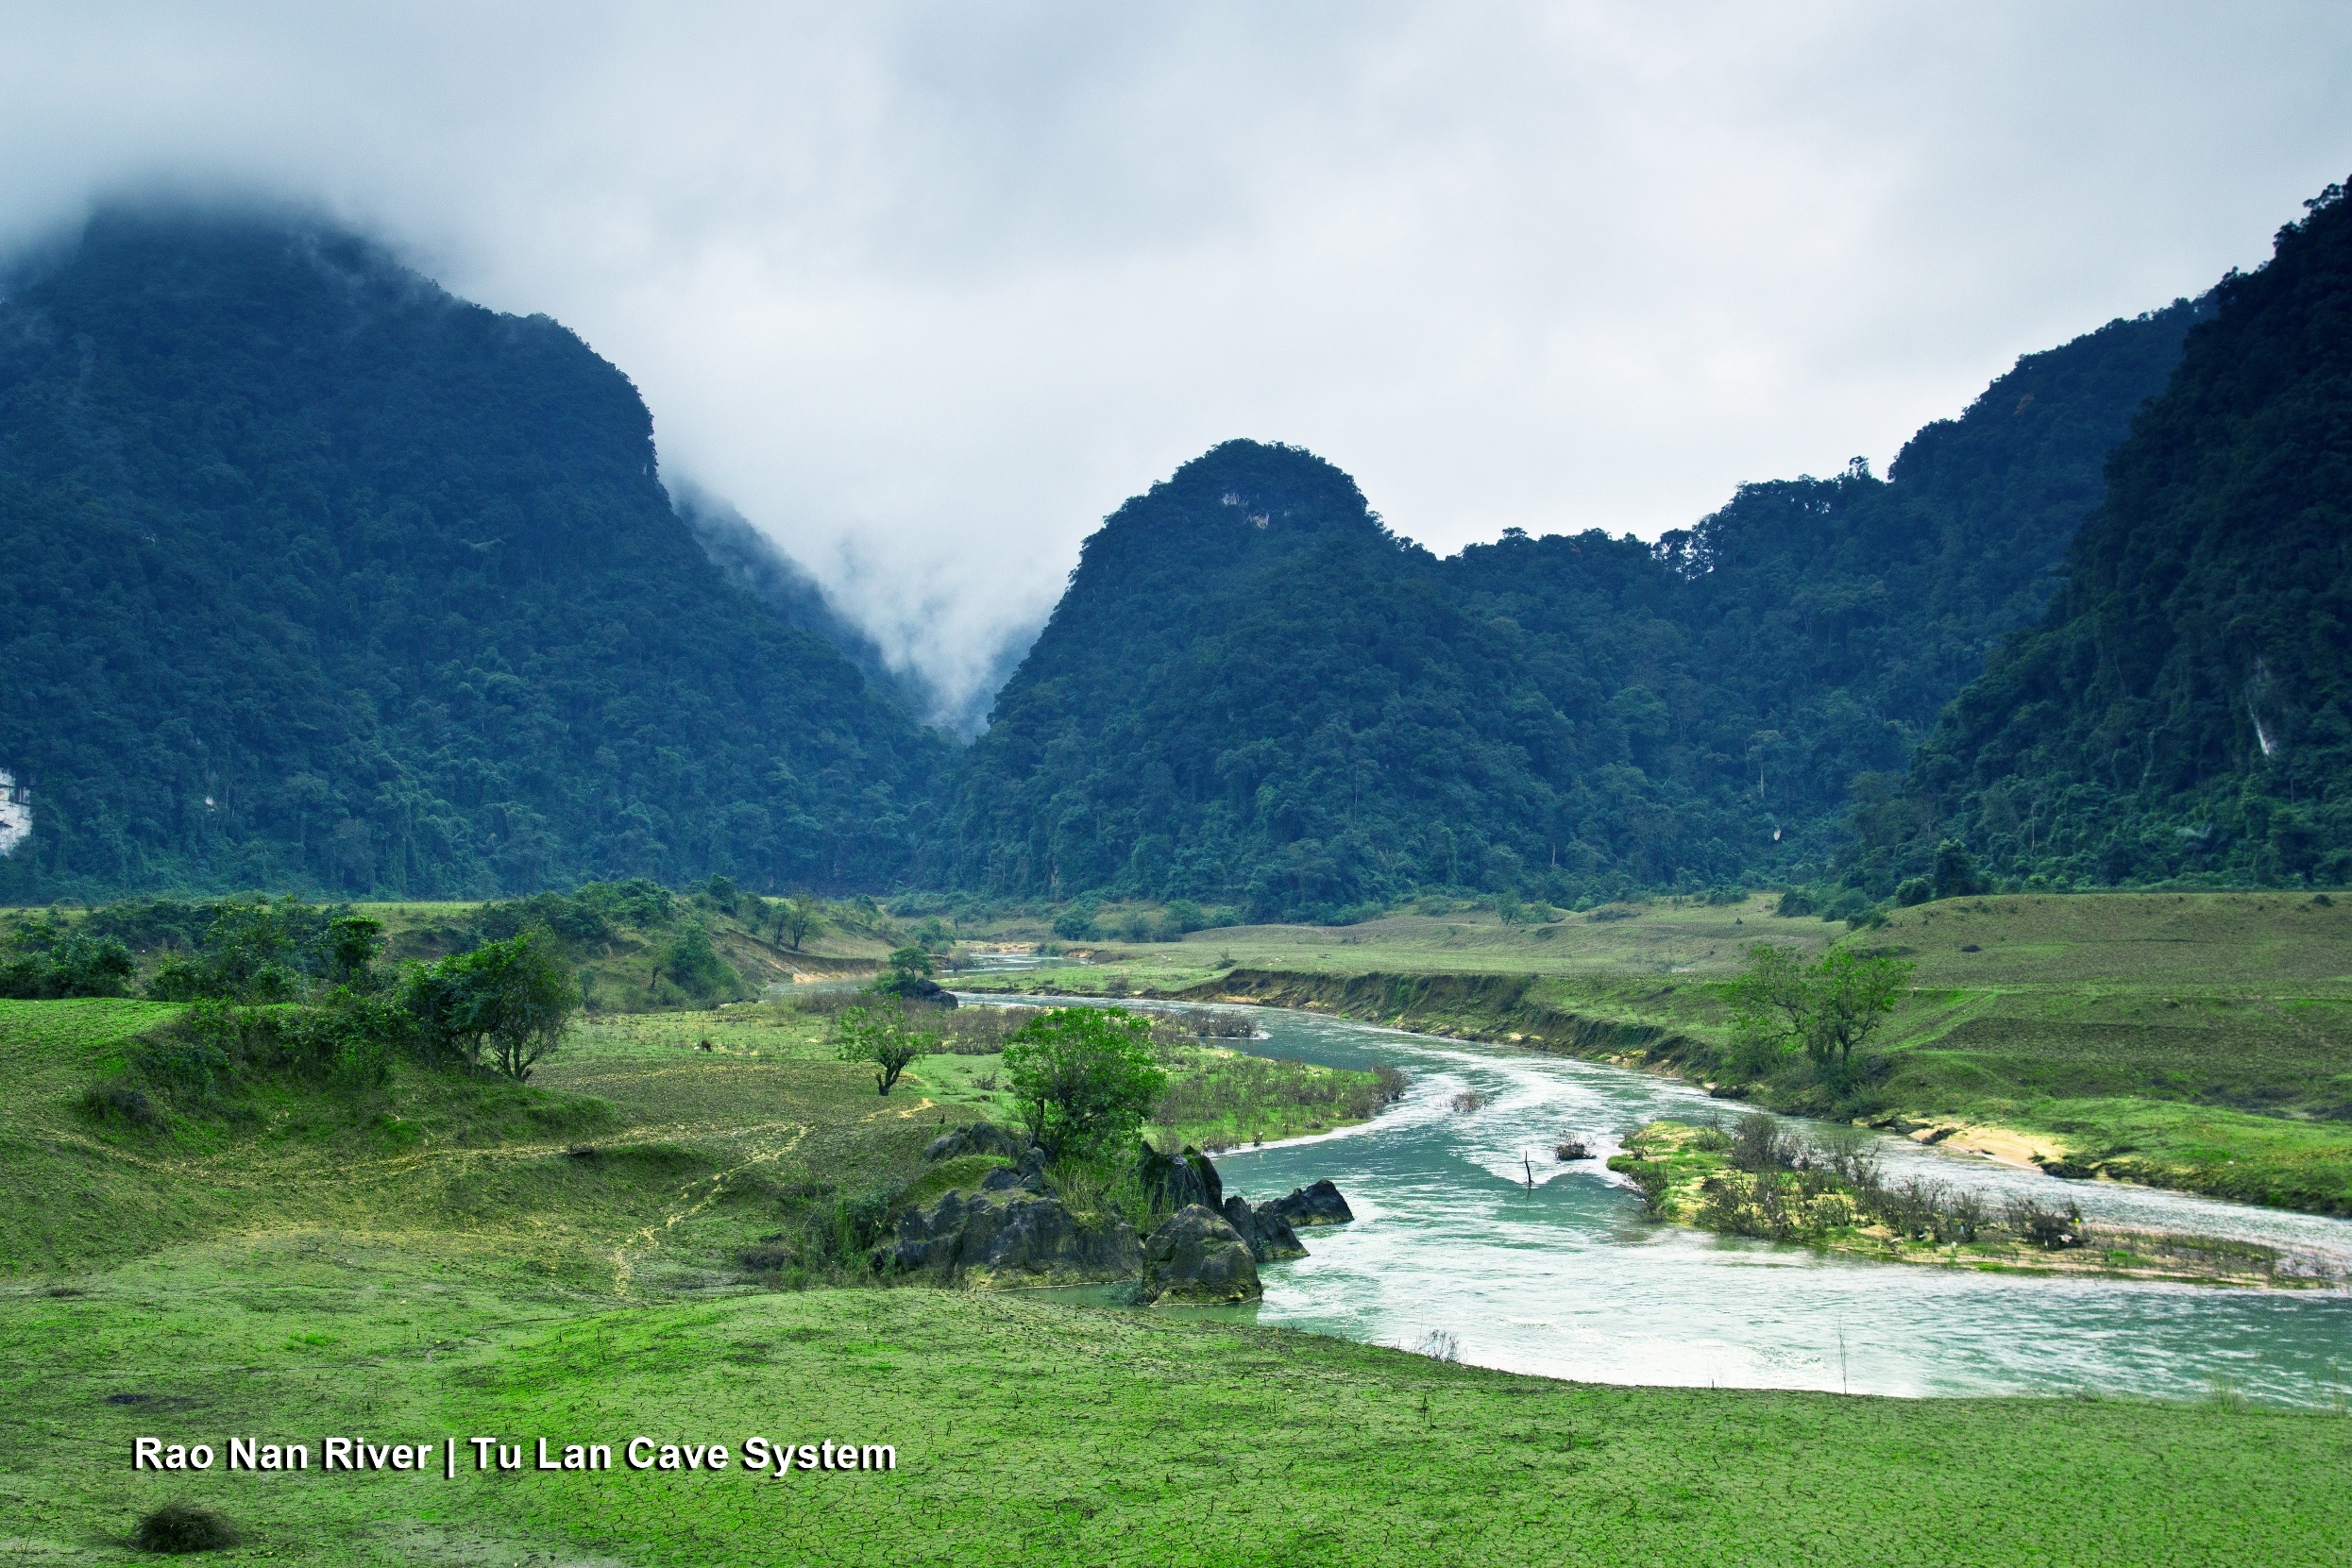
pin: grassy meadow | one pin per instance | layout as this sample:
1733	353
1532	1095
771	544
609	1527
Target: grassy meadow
460	1259
2201	1041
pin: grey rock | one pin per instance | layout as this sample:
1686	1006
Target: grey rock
1319	1205
981	1137
1269	1235
1008	1236
1181	1180
1194	1256
914	987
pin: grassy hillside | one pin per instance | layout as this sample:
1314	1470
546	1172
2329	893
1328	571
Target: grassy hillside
1032	1432
560	1264
2190	1039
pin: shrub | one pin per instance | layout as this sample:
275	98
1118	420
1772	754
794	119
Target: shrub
119	1101
1083	1077
178	1528
1914	891
1074	925
511	997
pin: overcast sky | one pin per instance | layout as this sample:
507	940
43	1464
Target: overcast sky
927	290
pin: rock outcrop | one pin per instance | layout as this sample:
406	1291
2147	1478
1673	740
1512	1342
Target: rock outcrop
1319	1205
981	1137
1179	1181
1269	1235
1194	1256
1010	1235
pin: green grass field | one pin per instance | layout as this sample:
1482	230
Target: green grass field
459	1259
2201	1041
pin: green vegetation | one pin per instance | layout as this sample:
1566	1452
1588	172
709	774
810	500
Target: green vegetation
2183	711
2197	1040
1828	1191
1084	1078
592	1257
319	579
1255	693
1784	1008
880	1036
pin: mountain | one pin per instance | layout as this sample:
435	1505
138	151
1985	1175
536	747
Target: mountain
316	577
2183	711
1254	691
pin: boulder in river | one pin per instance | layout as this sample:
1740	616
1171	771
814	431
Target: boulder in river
1269	1235
1194	1256
1010	1235
1319	1205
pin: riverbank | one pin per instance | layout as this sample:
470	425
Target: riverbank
568	1263
1785	1188
2200	1042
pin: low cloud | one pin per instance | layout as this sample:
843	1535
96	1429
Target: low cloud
927	290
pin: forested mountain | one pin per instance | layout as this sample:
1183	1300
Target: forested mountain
2184	709
1254	691
317	577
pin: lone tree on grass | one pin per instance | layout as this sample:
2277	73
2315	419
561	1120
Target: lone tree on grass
1083	1077
1827	1011
880	1035
511	998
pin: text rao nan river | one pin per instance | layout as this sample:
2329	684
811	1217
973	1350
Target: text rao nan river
453	1456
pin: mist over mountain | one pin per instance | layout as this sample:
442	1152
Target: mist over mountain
2183	711
318	577
1254	691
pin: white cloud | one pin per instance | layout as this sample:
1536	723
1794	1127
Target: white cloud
926	290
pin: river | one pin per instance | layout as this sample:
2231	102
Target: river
1566	1279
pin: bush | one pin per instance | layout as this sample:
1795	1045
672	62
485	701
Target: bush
1083	1077
1074	925
695	967
119	1101
76	964
1797	902
511	998
1914	891
178	1528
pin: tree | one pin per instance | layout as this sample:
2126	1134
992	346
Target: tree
353	943
1956	872
696	966
880	1035
512	997
1851	996
1769	1005
798	919
1083	1077
1828	1011
911	963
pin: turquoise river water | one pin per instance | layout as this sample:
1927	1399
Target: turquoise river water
1566	1279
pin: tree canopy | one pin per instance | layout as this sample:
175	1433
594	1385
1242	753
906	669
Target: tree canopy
318	578
1255	693
2183	711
